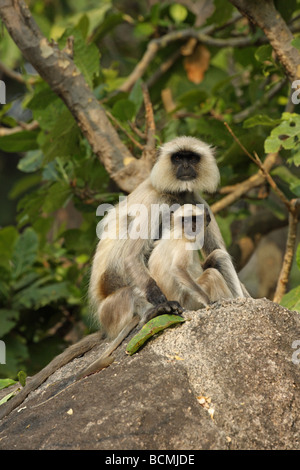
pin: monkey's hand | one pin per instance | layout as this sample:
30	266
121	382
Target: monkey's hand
154	294
169	307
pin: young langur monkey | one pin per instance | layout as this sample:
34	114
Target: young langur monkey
181	275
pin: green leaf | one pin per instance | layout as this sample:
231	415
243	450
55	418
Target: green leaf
7	397
4	383
62	140
25	252
136	95
19	142
296	43
178	12
294	159
57	195
8	320
8	237
110	21
288	177
22	377
298	256
36	297
46	106
124	110
192	98
285	135
22	185
86	56
291	300
260	120
143	29
223	12
264	53
154	326
272	144
32	161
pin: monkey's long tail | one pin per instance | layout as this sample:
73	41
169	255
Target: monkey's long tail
83	346
106	359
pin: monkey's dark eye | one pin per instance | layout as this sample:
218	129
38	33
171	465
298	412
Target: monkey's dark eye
185	155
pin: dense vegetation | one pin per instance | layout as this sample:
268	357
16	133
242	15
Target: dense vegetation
54	180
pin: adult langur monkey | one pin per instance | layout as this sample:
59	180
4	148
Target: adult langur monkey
122	290
121	286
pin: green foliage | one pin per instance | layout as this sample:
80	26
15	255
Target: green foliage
4	383
45	255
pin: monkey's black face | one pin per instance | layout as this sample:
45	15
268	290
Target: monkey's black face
185	163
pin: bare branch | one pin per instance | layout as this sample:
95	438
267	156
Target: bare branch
60	72
116	122
242	188
17	76
22	126
149	151
293	207
242	115
266	174
156	44
265	15
163	68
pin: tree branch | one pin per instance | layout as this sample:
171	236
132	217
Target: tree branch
156	44
264	14
17	76
149	149
59	71
242	188
22	126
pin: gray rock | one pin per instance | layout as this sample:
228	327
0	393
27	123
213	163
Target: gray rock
228	378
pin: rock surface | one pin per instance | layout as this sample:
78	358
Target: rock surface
228	378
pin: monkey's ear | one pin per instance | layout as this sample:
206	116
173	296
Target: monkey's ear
213	149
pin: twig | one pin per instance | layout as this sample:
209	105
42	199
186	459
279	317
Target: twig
163	68
22	126
289	251
242	188
149	149
156	44
17	76
138	132
293	207
266	174
240	116
116	122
